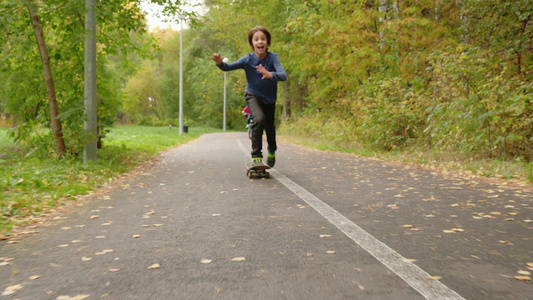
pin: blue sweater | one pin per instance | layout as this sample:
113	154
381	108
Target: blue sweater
264	89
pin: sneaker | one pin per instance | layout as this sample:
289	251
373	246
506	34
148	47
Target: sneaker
257	161
271	159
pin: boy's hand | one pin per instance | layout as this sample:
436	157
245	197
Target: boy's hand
217	58
266	74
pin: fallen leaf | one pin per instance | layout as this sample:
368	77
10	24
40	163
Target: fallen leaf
407	226
325	235
205	261
63	246
399	196
522	272
34	277
509	219
528	221
65	228
136	236
78	297
215	215
95	217
457	230
523	278
495	213
530	264
86	258
455	205
12	289
241	258
434	277
104	252
114	270
505	242
409	260
330	252
154	266
106	224
6	258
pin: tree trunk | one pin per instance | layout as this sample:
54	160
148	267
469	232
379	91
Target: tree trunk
464	24
50	88
437	10
383	5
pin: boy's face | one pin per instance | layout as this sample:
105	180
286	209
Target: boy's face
260	43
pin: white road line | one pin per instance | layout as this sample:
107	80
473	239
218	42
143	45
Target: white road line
409	272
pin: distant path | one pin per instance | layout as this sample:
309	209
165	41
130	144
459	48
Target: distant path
327	226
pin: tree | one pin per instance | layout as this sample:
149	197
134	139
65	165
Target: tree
50	87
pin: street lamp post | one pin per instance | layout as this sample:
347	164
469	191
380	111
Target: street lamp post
89	91
224	111
181	77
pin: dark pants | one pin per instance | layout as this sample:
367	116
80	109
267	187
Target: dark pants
264	116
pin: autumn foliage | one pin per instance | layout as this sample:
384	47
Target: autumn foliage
442	75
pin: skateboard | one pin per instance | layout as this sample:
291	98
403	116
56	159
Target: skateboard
257	171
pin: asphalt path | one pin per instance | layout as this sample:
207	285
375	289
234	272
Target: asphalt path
325	226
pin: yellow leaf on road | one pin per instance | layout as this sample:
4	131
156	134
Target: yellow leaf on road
434	277
407	226
154	266
241	258
12	289
78	297
523	278
34	277
205	261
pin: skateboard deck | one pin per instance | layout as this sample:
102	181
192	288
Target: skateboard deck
257	171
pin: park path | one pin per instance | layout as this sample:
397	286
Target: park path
326	226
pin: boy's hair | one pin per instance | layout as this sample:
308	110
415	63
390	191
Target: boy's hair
256	29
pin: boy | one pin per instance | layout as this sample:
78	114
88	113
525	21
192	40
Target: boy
263	71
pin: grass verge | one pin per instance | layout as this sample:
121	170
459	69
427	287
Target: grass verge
31	186
517	171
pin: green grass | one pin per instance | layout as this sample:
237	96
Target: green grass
31	186
516	170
